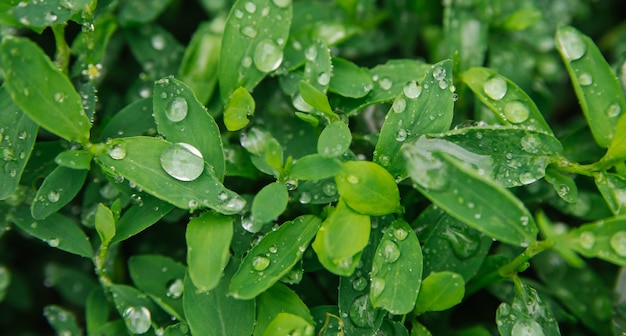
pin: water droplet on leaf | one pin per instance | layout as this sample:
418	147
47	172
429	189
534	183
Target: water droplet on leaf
412	90
587	240
157	42
359	283
463	241
323	78
267	56
400	234
53	196
177	109
182	161
401	135
585	79
390	251
385	83
377	287
572	45
618	243
249	31
495	87
175	289
613	110
282	3
516	112
399	105
439	73
260	263
250	7
527	327
362	313
117	152
530	143
137	319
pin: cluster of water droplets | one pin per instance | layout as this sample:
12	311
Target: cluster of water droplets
513	111
13	154
388	252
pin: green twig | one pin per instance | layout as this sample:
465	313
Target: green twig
62	55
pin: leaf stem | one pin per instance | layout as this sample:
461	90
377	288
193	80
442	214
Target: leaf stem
62	55
520	263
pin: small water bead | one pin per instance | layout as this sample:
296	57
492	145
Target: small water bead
117	152
353	179
249	31
443	84
385	83
495	87
59	97
400	234
390	251
399	105
250	7
53	196
613	110
157	42
516	112
182	161
273	249
137	319
310	53
585	79
412	90
527	327
572	46
246	61
527	178
238	14
359	283
260	263
175	289
401	135
329	188
587	240
282	3
305	198
377	287
563	190
176	110
618	243
267	56
235	204
439	73
54	242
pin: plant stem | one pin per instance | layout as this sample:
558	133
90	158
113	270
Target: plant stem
521	261
62	55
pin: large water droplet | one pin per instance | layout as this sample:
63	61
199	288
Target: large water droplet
157	42
400	234
385	83
585	79
613	110
53	196
362	313
267	56
587	240
527	178
353	179
412	90
463	241
389	251
516	112
530	143
527	328
618	243
282	3
117	152
572	45
401	135
176	109
329	189
359	283
182	161
137	319
399	105
323	78
305	198
260	263
54	242
495	87
377	287
175	289
250	7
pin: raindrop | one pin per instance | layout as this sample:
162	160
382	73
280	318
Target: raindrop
362	313
235	204
329	188
250	7
359	284
516	112
246	62
238	14
585	79
117	152
54	242
175	289
193	204
412	90
22	135
572	46
282	3
291	184
563	190
177	109
182	161
249	31
613	110
443	84
137	319
59	97
400	234
273	249
527	327
527	178
53	196
301	105
399	105
157	42
618	243
260	263
495	87
323	79
587	240
310	53
385	83
439	73
463	241
305	198
389	251
530	143
377	287
267	56
352	179
401	135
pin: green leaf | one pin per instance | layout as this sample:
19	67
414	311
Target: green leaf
56	230
57	190
135	13
140	216
240	106
274	156
604	239
138	312
349	80
598	90
17	135
613	189
216	313
315	167
96	310
466	34
157	50
208	238
105	224
198	68
564	185
419	109
317	192
522	18
273	257
440	291
63	321
528	314
162	279
617	148
276	301
285	324
42	91
74	159
368	188
316	99
133	120
471	198
70	282
38	15
181	118
269	203
318	69
397	269
249	48
139	160
505	99
334	140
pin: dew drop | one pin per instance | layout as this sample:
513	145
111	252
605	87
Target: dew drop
359	284
618	243
585	79
401	135
563	190
613	110
250	7
587	240
238	14
443	84
246	62
267	56
329	188
117	152
54	242
399	105
530	143
527	178
260	263
323	78
222	196
362	313
235	204
193	204
182	161
59	97
439	74
249	31
572	46
282	3
310	53
176	109
495	87
400	234
464	242
377	287
527	327
385	83
352	179
157	42
516	112
389	251
305	198
137	319
412	90
273	249
53	196
175	289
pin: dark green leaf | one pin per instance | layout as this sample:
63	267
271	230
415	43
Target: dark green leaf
62	320
269	203
133	120
318	69
57	190
140	216
315	167
605	239
522	18
40	14
613	189
278	300
315	99
317	192
96	310
240	106
440	291
42	91
466	33
349	80
137	12
564	185
334	140
527	315
72	283
157	50
138	312
74	159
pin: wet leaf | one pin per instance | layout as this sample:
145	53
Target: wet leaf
38	15
269	203
604	239
277	300
527	315
140	216
613	189
63	321
74	159
133	120
564	185
316	99
318	69
440	291
135	13
57	190
136	309
156	49
240	106
349	80
334	140
315	167
105	224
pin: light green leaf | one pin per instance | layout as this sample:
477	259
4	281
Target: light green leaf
273	257
42	91
63	321
240	106
18	133
140	216
617	148
334	140
74	159
133	120
349	80
528	314
105	224
440	291
277	300
613	189
285	324
564	185
140	160
162	279
181	118
368	188
599	92
315	167
57	190
471	198
249	48
56	230
604	239
316	99
505	99
274	155
397	269
269	203
419	109
216	313
208	238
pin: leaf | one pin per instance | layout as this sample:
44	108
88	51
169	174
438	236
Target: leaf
316	99
397	269
522	18
70	282
528	314
17	135
135	13
604	239
471	198
162	279
140	216
564	185
285	323
273	257
317	192
334	140
216	313
74	159
96	310
133	120
269	203
368	188
420	108
56	230
240	106
38	15
181	118
249	48
61	320
505	99
598	90
42	91
440	291
318	69
105	224
57	190
157	50
138	312
208	238
466	32
349	80
613	189
278	300
315	167
139	160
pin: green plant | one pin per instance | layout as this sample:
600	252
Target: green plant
293	168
